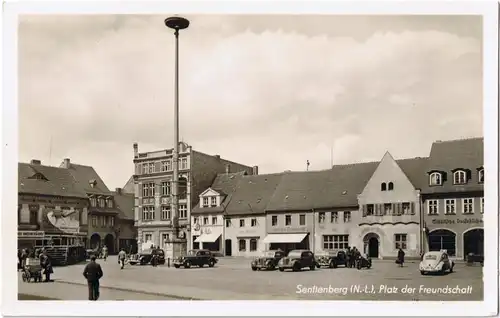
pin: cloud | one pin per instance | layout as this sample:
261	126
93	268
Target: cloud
275	97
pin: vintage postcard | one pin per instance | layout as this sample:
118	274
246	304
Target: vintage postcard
335	158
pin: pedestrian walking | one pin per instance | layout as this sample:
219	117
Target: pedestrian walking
105	252
46	265
93	272
401	257
122	255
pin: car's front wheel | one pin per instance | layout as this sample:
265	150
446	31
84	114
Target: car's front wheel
211	263
281	269
254	268
312	267
187	264
296	267
177	265
422	272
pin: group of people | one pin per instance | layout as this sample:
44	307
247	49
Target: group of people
352	255
38	255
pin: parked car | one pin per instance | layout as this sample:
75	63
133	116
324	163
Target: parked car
436	262
332	259
196	258
145	257
269	260
363	262
296	260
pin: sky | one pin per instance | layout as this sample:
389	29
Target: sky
271	91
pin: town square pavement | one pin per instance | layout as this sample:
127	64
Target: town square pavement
232	279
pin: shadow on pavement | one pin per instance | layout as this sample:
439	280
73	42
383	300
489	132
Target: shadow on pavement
33	297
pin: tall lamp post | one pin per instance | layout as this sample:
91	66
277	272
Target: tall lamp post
176	23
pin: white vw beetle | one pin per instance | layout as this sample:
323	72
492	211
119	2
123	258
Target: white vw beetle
436	262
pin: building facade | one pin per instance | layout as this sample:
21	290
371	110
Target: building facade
389	206
51	208
152	186
453	198
125	228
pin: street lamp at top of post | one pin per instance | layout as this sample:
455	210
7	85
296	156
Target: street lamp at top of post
176	23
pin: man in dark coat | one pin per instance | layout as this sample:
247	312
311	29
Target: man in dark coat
93	272
46	265
401	257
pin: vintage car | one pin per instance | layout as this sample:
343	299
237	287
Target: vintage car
195	258
332	259
296	260
436	262
269	260
363	262
145	257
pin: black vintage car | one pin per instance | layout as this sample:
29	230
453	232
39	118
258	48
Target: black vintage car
363	262
145	257
195	258
269	260
332	259
296	260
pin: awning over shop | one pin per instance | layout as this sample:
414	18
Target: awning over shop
284	238
209	236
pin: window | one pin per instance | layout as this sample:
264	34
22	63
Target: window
253	245
102	220
242	222
102	203
468	206
148	213
335	242
33	215
302	219
242	245
253	222
214	220
432	207
450	206
482	205
205	220
387	209
481	176
205	202
213	201
274	220
165	212
334	217
151	167
390	186
435	179
165	188
145	168
148	190
94	220
459	177
383	186
165	238
163	166
347	216
195	221
183	163
288	220
182	211
109	203
400	241
93	201
111	221
406	208
148	237
228	223
370	209
321	217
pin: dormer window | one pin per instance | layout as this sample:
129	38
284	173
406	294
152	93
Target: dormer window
435	179
480	175
205	202
459	177
213	201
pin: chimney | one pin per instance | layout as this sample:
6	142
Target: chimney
35	162
217	157
255	170
118	190
228	168
66	163
136	150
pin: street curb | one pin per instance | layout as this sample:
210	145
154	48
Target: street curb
133	291
35	297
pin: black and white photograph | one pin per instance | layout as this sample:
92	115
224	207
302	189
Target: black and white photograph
341	158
